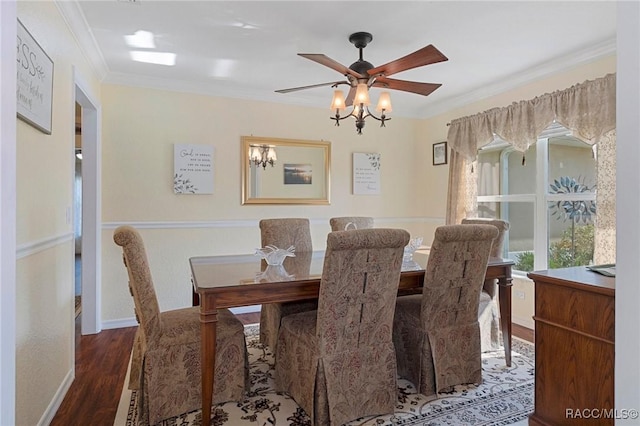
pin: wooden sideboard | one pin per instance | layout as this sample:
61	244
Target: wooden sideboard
574	346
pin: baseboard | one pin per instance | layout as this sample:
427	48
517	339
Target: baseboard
55	403
245	309
525	322
120	323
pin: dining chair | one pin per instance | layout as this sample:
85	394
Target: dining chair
283	233
165	366
436	334
346	223
338	363
488	311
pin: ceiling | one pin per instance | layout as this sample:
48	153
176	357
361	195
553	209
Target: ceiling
247	49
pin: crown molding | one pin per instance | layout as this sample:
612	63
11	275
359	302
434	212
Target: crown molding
75	20
556	65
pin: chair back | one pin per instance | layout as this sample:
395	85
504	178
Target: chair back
286	232
347	223
455	274
503	226
358	289
140	281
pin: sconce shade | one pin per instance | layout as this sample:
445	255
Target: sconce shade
254	154
337	103
384	103
362	95
271	154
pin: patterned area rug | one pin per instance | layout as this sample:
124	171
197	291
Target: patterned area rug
505	397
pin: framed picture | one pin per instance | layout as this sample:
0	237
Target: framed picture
298	174
34	83
366	173
440	153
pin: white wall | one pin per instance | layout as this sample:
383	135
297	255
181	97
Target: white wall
7	214
627	371
44	270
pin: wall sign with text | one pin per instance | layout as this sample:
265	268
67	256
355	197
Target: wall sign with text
366	173
193	169
34	85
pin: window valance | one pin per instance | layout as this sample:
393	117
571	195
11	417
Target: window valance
588	109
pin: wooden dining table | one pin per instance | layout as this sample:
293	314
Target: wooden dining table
245	280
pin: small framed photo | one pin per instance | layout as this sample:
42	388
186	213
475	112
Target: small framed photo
440	153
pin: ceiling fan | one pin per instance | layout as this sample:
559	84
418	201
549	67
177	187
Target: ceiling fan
361	75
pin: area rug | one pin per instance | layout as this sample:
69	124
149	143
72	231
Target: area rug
505	397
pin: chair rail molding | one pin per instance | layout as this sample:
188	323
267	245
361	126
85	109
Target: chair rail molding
33	247
251	223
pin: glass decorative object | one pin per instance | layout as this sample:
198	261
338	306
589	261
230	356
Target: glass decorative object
411	248
274	273
274	255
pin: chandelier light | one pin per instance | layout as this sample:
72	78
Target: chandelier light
361	102
261	155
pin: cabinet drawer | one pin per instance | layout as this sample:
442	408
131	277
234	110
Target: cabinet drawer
582	311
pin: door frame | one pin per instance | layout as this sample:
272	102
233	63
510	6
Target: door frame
91	208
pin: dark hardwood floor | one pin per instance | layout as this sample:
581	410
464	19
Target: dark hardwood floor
101	365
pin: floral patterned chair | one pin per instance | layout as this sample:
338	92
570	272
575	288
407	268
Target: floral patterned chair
350	222
489	312
436	334
165	366
338	362
283	233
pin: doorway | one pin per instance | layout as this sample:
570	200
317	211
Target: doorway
77	210
89	218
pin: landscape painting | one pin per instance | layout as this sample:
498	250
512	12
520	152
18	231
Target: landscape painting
297	174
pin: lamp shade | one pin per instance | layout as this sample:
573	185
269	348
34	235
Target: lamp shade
384	103
362	94
271	154
254	153
338	100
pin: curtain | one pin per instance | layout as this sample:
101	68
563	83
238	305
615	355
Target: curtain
587	109
605	224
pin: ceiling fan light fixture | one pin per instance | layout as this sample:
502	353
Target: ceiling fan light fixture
337	103
362	95
362	74
384	103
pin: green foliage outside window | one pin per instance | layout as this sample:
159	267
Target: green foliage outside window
574	248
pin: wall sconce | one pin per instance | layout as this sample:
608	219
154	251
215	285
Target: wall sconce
261	155
361	104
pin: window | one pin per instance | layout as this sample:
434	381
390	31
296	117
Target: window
548	196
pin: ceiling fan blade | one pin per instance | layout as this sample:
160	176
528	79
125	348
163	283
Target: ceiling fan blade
334	65
425	56
350	96
406	86
294	89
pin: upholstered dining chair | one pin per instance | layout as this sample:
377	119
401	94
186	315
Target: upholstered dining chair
436	334
346	223
489	311
283	233
165	366
338	363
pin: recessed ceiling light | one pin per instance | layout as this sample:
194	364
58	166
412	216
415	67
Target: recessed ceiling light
223	68
158	58
141	39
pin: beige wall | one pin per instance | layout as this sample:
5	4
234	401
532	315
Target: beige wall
45	280
140	127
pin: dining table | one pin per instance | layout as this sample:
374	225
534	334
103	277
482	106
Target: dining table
230	281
